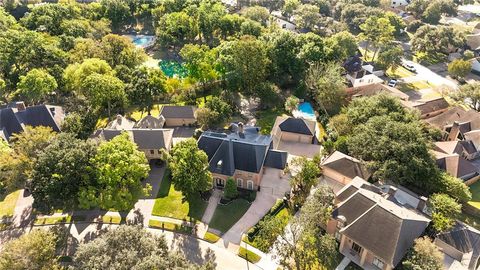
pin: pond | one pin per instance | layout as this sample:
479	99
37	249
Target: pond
173	68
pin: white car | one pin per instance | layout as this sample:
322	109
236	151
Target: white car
392	83
409	67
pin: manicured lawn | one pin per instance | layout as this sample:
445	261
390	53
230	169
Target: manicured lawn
169	203
266	119
211	237
7	205
248	255
111	219
399	72
137	115
52	220
475	189
226	216
404	87
157	224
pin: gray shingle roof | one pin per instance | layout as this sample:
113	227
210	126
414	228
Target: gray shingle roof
379	225
346	165
152	138
13	121
297	125
168	111
464	239
276	159
229	152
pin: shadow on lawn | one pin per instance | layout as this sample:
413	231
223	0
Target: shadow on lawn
189	246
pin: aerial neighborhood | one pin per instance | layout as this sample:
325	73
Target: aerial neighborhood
234	134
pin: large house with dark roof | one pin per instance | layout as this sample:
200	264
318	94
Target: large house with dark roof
375	227
15	116
291	129
241	155
177	116
151	141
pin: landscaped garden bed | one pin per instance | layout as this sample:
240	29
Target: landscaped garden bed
52	220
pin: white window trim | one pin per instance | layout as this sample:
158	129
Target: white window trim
378	263
250	182
240	181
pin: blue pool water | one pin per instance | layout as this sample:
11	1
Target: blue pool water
141	40
306	109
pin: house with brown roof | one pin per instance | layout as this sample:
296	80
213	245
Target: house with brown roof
343	168
457	166
291	129
375	230
429	108
177	116
465	149
375	89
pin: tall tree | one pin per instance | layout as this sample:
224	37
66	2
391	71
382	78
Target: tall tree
377	32
257	13
209	15
117	11
390	56
35	86
470	94
35	250
307	16
176	28
425	255
104	90
189	166
140	250
244	64
148	86
61	169
76	74
341	45
325	85
444	211
120	168
459	68
119	50
304	177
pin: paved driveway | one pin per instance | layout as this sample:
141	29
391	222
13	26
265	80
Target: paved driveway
296	149
182	133
273	187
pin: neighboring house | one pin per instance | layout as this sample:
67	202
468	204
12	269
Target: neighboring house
343	168
429	108
458	167
241	155
150	141
375	230
291	129
15	116
120	123
375	89
150	121
360	75
465	149
460	246
177	116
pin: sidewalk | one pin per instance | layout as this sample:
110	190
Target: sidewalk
212	205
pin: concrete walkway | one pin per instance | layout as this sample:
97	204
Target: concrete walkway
212	205
344	263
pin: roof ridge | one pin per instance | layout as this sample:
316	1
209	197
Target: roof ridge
364	213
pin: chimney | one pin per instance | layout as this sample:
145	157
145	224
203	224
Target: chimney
119	119
422	204
240	128
454	131
20	106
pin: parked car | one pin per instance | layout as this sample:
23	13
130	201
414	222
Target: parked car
392	83
409	67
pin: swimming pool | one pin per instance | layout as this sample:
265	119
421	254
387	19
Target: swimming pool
142	41
306	109
173	68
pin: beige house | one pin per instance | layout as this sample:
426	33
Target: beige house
375	89
177	116
343	168
428	108
375	230
241	155
291	129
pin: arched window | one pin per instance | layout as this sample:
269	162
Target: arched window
239	182
250	184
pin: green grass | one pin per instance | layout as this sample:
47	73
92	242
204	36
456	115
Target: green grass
7	206
52	220
413	86
266	119
111	219
157	224
211	237
226	216
169	202
475	189
248	255
399	72
470	220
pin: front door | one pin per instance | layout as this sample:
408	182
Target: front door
219	182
